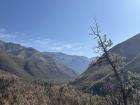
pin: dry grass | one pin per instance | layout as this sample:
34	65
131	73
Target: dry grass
14	91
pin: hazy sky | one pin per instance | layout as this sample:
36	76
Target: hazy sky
63	25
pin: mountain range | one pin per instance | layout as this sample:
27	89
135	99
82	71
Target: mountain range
30	63
77	63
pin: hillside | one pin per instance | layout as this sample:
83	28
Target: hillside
24	61
8	64
129	48
99	71
16	91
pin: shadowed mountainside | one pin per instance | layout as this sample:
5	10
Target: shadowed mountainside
100	71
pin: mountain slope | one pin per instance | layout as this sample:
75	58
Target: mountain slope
34	63
8	64
129	48
99	71
78	63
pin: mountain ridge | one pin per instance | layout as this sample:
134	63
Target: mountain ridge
34	63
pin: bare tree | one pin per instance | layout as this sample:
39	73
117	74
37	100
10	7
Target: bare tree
114	60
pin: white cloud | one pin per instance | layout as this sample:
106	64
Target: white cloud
7	37
43	44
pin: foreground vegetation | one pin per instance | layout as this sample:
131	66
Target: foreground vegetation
15	91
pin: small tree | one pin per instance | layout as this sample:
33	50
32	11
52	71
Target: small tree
115	61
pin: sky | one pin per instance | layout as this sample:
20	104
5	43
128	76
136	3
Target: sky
64	25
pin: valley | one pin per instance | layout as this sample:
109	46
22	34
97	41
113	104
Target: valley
51	71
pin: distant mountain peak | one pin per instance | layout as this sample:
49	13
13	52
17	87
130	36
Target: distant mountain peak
78	63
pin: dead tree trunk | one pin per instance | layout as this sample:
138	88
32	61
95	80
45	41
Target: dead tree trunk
104	47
